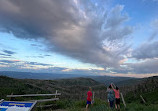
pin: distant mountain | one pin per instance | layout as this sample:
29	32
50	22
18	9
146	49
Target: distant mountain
119	81
42	76
106	80
129	82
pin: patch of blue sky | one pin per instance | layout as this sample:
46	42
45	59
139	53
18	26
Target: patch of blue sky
20	46
140	35
140	11
131	60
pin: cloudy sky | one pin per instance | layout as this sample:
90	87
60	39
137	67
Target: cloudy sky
100	37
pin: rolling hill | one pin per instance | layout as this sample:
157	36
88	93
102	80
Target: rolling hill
73	88
74	91
106	80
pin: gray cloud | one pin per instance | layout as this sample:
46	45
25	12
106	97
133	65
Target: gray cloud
146	50
22	63
148	66
8	52
14	65
8	61
47	55
36	63
68	29
3	54
31	69
35	45
152	37
149	49
154	26
122	70
40	56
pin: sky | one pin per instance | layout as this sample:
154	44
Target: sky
97	37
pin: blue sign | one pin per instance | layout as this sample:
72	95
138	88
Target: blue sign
18	104
3	109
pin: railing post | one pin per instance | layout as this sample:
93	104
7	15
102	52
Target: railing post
123	100
56	93
1	100
93	98
11	97
142	99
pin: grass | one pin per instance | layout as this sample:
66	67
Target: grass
130	107
142	107
101	105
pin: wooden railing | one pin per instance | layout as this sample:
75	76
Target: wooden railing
1	100
40	100
35	95
30	95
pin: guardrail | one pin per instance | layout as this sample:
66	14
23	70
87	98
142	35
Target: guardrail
30	95
37	101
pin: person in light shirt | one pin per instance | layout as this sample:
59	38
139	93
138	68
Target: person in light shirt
117	96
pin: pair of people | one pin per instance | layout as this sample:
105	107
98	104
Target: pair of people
113	96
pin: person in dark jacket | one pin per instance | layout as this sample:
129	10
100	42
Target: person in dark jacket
111	97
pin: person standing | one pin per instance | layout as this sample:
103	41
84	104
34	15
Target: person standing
89	97
117	96
111	97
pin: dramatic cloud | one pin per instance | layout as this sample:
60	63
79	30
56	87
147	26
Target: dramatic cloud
146	50
149	49
113	29
70	27
148	66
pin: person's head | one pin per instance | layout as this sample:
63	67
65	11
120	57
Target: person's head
117	88
90	88
110	87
